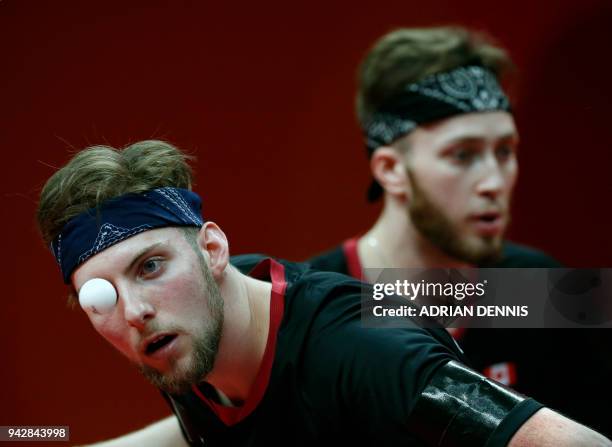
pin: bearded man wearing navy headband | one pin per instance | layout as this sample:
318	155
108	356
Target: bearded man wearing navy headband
441	139
258	351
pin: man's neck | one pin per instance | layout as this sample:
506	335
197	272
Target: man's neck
245	335
394	242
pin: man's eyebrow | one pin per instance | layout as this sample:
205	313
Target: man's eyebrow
463	140
141	254
510	136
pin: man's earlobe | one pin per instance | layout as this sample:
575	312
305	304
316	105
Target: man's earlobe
387	166
216	248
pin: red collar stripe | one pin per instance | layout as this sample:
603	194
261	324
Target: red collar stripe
352	258
266	269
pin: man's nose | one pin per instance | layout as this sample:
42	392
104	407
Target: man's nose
137	309
491	184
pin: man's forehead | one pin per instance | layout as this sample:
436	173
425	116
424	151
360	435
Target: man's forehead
481	125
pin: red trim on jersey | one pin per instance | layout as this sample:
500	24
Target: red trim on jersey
266	269
503	372
456	332
349	247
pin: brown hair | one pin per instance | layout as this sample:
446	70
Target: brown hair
99	173
408	55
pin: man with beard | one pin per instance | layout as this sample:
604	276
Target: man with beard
277	355
442	145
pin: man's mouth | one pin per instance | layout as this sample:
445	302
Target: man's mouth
489	223
488	217
158	342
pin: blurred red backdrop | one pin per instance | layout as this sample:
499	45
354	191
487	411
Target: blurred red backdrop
262	94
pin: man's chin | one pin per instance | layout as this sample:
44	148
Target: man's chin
480	250
171	382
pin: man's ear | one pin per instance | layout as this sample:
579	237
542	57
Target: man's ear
216	248
387	166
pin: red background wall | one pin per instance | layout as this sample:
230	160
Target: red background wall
262	93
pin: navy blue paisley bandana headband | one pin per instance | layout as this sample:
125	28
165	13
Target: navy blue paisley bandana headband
461	90
120	218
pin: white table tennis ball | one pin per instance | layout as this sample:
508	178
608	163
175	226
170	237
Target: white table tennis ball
98	295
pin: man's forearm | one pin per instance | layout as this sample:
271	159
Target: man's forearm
164	433
547	428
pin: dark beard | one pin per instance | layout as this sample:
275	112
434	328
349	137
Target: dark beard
205	345
433	224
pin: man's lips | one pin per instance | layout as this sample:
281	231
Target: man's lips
157	343
489	223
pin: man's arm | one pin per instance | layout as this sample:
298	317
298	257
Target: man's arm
164	433
549	429
461	407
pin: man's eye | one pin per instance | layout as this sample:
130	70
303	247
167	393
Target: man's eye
504	152
151	266
462	155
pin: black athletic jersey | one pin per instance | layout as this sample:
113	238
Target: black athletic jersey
325	378
569	370
499	355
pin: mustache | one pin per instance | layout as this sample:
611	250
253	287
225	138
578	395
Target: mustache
493	208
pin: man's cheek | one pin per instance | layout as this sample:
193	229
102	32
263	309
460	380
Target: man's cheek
113	336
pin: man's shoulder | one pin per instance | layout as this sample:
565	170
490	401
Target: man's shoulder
333	260
298	273
247	262
517	256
